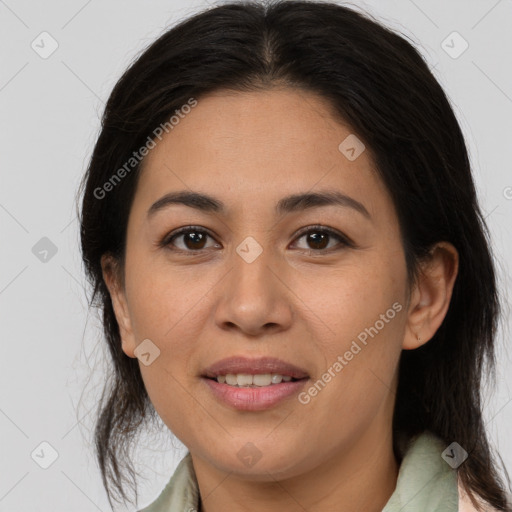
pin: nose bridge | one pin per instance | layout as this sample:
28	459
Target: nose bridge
252	272
253	296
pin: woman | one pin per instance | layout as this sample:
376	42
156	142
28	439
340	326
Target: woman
281	228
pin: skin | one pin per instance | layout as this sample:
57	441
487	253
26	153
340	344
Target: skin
249	150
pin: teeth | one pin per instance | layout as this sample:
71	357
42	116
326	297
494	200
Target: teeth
276	378
242	379
231	379
246	379
262	380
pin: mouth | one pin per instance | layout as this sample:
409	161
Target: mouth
247	380
253	384
257	369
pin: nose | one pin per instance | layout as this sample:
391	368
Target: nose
255	298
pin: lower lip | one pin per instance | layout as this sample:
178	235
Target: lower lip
254	399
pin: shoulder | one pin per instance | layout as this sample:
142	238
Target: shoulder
180	493
466	505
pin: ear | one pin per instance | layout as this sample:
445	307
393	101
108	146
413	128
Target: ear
111	276
431	295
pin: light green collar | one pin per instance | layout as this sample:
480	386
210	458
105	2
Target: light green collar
426	483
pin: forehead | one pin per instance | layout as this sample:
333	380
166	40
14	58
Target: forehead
253	146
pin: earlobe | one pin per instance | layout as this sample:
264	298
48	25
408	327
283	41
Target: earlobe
431	296
112	280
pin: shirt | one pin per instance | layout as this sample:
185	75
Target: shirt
425	483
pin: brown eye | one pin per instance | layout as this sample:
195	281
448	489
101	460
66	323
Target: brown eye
318	238
193	239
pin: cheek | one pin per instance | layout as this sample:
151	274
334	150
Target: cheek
164	300
359	314
356	382
165	307
347	300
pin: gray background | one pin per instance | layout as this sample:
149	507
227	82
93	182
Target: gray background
52	355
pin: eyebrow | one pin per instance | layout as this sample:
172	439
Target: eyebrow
288	204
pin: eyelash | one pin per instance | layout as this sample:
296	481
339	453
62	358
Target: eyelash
344	240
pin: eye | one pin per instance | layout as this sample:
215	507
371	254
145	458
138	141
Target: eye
193	238
318	237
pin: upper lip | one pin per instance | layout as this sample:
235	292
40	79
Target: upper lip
261	365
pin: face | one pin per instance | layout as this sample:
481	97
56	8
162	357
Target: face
320	286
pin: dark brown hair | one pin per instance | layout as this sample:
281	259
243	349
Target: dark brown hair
379	84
